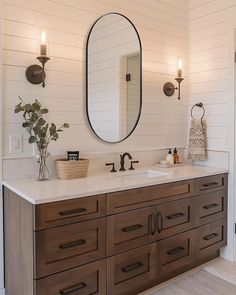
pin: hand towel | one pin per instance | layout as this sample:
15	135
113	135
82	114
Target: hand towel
197	140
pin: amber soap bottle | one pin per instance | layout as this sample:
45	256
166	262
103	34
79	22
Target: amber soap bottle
176	156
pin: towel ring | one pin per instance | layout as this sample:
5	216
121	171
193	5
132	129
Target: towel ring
200	105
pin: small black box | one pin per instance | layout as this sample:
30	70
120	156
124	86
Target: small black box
73	155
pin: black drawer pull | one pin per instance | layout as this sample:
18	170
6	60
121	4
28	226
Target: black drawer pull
175	251
211	236
133	227
210	206
174	216
72	244
159	222
73	211
211	184
132	267
73	289
152	223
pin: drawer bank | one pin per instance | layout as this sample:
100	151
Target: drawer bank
114	243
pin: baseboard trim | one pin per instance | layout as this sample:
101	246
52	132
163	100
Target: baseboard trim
2	292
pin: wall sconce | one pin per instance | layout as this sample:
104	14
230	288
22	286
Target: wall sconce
169	88
35	74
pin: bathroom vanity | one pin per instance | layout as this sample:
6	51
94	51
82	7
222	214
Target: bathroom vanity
116	236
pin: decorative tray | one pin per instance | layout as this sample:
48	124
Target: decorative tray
169	165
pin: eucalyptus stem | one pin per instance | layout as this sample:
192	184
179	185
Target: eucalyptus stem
40	132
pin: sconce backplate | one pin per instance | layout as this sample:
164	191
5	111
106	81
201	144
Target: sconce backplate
35	74
169	89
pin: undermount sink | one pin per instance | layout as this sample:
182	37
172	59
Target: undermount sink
142	174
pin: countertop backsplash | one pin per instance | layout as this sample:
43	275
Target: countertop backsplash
17	168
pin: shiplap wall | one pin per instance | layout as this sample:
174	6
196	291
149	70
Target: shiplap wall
163	29
211	80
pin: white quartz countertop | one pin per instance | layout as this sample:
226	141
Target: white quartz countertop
39	192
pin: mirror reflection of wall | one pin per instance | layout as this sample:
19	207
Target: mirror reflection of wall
114	84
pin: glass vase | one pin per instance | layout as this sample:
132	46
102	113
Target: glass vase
42	161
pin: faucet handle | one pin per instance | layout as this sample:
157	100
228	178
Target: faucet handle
113	166
131	164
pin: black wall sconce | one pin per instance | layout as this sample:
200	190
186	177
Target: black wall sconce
35	74
169	88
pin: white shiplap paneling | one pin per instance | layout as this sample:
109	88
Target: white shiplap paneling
211	76
163	29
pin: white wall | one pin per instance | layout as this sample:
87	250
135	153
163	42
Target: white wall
211	80
163	29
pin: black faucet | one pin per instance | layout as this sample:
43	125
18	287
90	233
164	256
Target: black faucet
122	160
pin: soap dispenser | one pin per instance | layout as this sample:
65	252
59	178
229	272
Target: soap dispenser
176	156
169	157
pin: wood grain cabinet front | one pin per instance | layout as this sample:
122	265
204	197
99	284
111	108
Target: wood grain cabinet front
69	211
84	280
210	207
142	226
117	243
210	184
131	229
67	246
175	253
211	237
132	271
175	217
148	196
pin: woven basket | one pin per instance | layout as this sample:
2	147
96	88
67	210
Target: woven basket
72	169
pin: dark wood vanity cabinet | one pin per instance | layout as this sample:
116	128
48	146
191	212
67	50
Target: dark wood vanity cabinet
115	243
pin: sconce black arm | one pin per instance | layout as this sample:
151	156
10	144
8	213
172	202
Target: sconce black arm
35	74
169	88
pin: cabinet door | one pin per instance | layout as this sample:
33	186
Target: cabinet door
211	237
130	230
175	217
175	253
84	280
132	271
68	246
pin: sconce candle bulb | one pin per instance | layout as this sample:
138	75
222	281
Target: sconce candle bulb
43	46
179	71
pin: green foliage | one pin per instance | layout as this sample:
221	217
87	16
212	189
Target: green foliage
41	132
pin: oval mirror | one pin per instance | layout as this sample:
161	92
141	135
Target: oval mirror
114	77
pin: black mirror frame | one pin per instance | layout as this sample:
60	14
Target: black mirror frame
87	98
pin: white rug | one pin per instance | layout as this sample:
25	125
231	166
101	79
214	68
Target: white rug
202	282
221	274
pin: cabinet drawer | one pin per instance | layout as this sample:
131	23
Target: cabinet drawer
84	280
130	230
211	183
175	217
67	246
211	237
131	272
65	212
138	198
211	207
175	252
